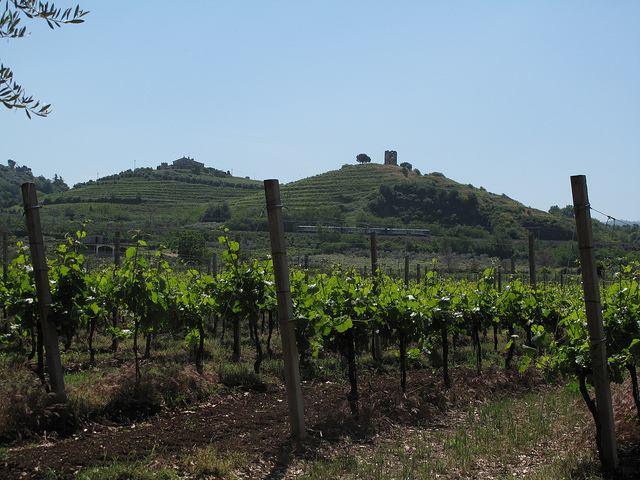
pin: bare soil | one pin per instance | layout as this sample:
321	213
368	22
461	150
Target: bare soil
257	423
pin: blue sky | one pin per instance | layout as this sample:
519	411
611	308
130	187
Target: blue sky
513	96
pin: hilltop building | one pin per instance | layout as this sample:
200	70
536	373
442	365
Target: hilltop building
184	163
391	157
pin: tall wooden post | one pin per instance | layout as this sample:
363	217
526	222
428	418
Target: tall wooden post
5	276
285	308
306	267
593	309
406	270
41	271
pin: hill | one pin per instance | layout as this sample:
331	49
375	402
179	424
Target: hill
390	196
160	203
356	195
145	199
12	176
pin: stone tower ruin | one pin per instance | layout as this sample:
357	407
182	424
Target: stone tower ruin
391	157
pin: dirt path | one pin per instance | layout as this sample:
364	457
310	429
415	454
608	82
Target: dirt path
257	423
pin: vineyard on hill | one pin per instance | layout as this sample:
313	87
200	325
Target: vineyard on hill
159	186
144	305
463	220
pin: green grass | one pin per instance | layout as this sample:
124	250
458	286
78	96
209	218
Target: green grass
529	437
133	468
207	462
212	462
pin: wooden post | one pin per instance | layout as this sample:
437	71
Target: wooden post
41	271
5	276
593	308
285	308
418	274
406	270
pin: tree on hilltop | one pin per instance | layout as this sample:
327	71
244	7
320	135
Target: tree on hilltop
13	95
406	165
363	158
562	212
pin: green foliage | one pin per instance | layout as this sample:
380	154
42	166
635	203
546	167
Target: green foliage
562	212
18	295
13	95
192	247
71	299
217	212
343	319
13	176
425	202
568	348
363	158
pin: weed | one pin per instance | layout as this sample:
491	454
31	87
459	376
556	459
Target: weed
214	462
146	469
239	375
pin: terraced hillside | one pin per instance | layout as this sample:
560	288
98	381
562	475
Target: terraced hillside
162	203
152	201
355	195
335	197
159	186
390	196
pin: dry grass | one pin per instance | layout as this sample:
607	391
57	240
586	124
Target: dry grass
527	437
